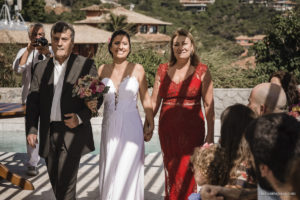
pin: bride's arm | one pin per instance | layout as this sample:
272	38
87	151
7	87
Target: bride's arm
146	102
155	97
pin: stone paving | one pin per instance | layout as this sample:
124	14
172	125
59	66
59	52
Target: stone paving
87	187
87	184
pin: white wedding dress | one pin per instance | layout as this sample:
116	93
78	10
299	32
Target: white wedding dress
122	143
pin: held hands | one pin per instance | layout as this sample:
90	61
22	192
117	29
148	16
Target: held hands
32	140
92	105
71	120
148	131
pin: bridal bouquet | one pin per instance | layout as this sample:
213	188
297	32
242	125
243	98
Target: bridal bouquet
295	111
89	88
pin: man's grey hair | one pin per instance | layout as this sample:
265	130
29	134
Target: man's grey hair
61	27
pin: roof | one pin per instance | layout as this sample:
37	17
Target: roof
284	2
132	17
244	37
196	1
84	34
93	8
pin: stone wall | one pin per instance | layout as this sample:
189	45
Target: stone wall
222	97
10	95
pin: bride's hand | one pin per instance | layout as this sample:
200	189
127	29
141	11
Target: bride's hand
148	131
92	105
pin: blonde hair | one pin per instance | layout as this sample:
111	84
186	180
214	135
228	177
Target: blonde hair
212	162
194	58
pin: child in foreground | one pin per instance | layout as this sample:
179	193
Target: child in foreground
209	167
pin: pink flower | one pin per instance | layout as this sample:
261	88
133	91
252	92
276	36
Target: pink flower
100	88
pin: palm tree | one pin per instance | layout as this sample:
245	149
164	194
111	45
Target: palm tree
117	22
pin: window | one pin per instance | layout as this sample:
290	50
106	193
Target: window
153	29
143	29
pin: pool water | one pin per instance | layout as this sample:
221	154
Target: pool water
15	141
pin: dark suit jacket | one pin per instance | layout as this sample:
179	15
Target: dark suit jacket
79	140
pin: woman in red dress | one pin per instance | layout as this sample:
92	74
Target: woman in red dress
179	86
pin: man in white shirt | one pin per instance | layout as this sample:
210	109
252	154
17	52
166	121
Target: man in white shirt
24	64
63	120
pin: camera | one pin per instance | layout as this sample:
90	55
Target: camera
40	42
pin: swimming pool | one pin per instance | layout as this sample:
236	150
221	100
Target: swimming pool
14	141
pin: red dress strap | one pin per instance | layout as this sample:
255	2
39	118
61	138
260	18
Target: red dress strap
200	69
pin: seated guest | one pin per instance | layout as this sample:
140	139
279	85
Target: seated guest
231	135
267	98
209	166
274	140
289	84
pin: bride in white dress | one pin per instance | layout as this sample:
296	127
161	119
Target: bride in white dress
122	136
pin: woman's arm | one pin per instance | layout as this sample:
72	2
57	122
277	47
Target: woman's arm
155	97
101	71
208	101
146	102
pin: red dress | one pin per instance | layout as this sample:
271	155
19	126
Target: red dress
181	129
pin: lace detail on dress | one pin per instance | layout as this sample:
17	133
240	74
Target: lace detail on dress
181	124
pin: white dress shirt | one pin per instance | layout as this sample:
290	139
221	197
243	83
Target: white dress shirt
59	74
26	69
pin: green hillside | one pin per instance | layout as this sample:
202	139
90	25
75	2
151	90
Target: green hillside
214	31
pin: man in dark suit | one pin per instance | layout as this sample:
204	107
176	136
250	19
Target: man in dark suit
65	128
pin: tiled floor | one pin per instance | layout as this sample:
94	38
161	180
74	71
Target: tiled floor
87	184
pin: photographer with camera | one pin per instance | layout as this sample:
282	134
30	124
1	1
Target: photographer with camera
27	57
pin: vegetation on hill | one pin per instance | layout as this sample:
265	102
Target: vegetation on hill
33	11
280	50
214	31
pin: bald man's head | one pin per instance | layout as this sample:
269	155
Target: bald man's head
267	98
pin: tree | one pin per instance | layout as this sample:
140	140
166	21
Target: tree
280	50
117	22
33	10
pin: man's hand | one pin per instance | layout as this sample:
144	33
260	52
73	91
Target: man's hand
210	192
72	120
30	46
92	105
32	140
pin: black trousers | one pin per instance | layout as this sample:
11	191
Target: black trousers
62	167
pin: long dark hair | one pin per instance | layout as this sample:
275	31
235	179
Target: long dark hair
194	58
115	34
234	120
289	85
